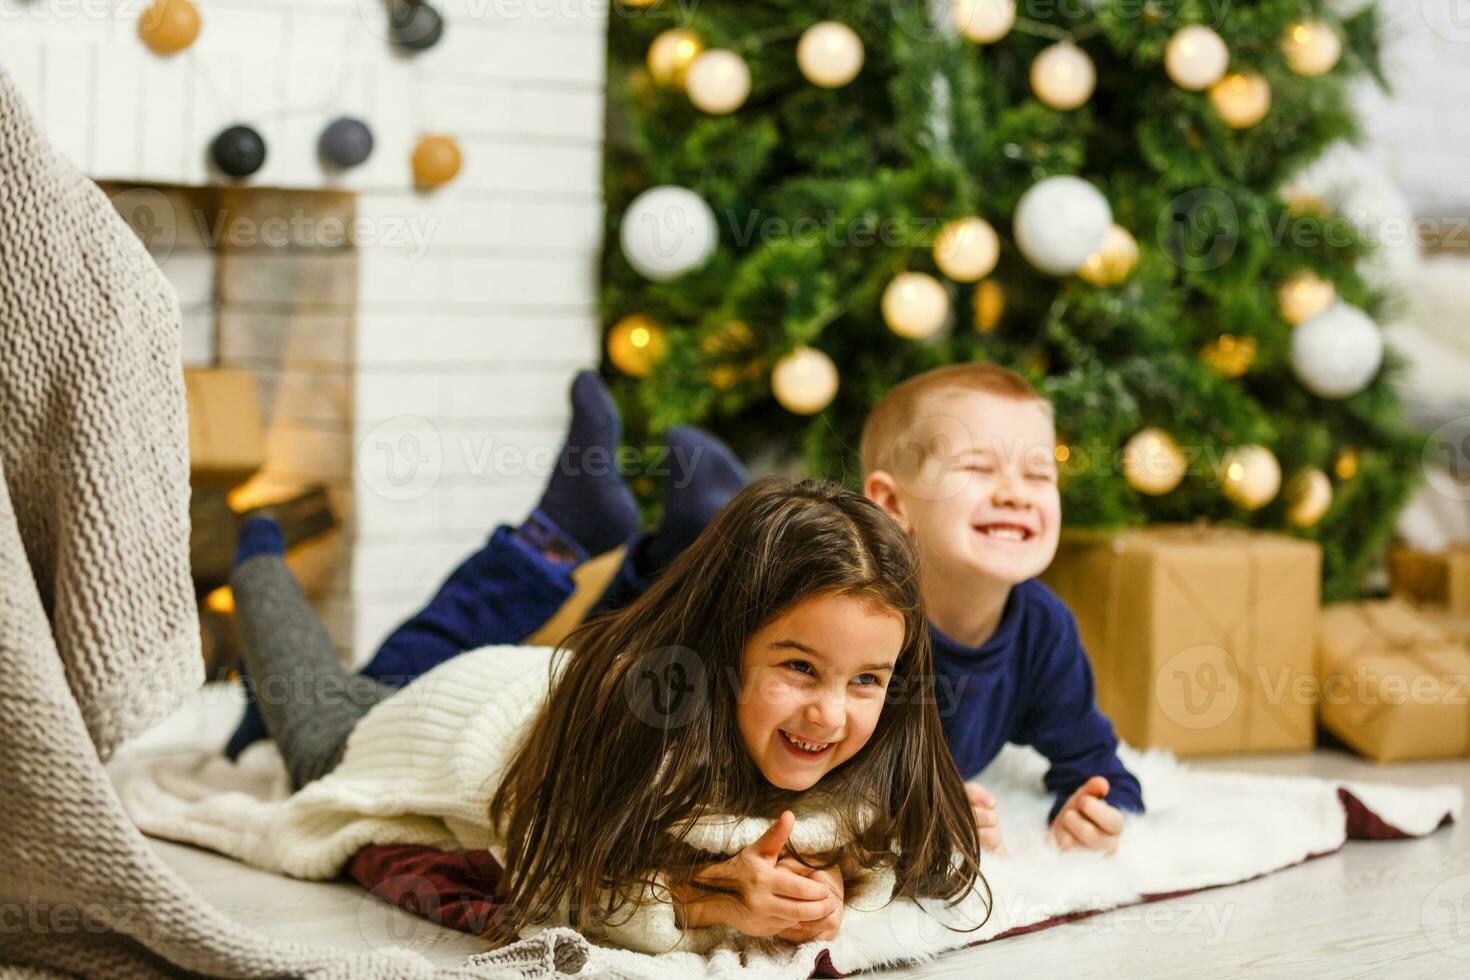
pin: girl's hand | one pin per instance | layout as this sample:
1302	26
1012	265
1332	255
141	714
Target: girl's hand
772	898
982	801
825	928
1087	820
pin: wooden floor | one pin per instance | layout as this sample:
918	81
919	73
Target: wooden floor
1399	909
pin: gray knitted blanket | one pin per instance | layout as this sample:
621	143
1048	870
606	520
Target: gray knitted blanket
98	631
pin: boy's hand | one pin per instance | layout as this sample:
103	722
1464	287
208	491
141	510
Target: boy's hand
982	801
1087	820
825	928
772	898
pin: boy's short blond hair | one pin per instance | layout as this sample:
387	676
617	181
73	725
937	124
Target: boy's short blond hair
901	407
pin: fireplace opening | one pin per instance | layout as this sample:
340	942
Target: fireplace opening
267	281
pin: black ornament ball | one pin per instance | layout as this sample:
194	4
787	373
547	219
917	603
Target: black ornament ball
239	151
414	25
346	142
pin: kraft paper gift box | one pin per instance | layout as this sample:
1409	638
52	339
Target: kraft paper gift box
1202	639
1394	685
1455	625
1436	578
226	433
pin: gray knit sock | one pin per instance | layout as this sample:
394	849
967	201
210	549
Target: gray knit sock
309	703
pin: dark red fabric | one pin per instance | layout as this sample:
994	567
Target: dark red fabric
1364	824
449	888
824	968
453	888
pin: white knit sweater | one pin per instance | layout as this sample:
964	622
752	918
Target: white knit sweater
421	768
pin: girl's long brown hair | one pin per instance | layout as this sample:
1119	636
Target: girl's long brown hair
638	737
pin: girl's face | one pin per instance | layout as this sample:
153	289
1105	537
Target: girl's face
812	684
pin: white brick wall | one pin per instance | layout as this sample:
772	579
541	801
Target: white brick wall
475	303
1420	131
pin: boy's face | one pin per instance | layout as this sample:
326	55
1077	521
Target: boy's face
974	480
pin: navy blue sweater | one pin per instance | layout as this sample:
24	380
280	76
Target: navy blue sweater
1030	683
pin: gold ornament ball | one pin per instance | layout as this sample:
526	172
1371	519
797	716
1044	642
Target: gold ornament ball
723	377
1311	48
671	54
804	381
733	336
436	161
1302	297
985	21
915	305
990	305
1062	76
640	85
1230	356
1310	494
718	82
636	344
1303	203
1346	466
1196	58
1242	99
966	250
1152	462
829	54
1114	262
1251	476
169	26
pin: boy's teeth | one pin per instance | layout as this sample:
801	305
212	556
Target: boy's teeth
1009	533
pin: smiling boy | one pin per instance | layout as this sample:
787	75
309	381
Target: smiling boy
964	459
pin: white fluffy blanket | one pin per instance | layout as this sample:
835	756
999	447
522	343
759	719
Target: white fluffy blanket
1203	829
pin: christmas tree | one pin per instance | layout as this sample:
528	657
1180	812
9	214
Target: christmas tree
809	202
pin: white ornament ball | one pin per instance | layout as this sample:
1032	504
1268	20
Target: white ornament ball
667	231
1252	476
1311	48
1348	9
1336	353
1153	463
1242	99
985	21
829	54
1310	494
915	305
966	250
1063	77
804	381
1059	222
1196	58
1304	296
718	82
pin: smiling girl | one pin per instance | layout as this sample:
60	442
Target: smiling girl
747	748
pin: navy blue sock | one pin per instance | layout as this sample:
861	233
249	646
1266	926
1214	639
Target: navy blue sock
259	536
250	730
586	496
705	474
